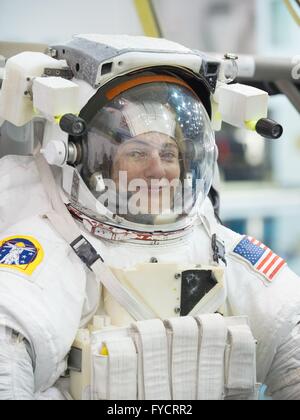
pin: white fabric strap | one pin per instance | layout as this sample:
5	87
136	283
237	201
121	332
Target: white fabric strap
215	302
182	358
244	396
122	369
210	224
152	344
135	308
240	372
208	218
67	228
213	333
183	353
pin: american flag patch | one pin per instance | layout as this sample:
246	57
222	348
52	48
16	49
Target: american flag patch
260	257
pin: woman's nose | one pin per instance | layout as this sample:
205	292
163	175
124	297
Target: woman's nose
155	168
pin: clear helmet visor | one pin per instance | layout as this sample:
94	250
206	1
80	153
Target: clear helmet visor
149	154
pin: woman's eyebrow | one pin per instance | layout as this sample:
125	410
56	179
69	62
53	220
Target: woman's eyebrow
170	146
141	142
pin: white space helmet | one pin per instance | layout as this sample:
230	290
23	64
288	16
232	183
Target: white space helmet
148	156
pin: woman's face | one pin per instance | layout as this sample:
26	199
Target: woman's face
151	162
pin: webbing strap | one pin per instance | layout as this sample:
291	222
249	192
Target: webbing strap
135	308
240	366
213	333
183	345
152	344
122	369
207	358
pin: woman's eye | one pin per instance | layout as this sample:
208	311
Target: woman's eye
169	156
137	154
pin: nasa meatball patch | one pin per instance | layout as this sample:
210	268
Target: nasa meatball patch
21	253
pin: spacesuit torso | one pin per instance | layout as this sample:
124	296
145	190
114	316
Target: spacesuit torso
48	297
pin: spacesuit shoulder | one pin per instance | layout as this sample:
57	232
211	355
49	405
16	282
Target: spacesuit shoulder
21	192
271	302
42	292
28	247
250	255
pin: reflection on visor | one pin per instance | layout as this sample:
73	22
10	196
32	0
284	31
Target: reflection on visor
149	154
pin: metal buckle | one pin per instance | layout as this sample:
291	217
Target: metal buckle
85	251
218	248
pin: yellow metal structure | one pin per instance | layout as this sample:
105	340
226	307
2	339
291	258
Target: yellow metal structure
148	18
292	11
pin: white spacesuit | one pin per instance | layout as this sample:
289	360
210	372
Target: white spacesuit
123	228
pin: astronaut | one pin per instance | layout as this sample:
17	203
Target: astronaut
117	213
